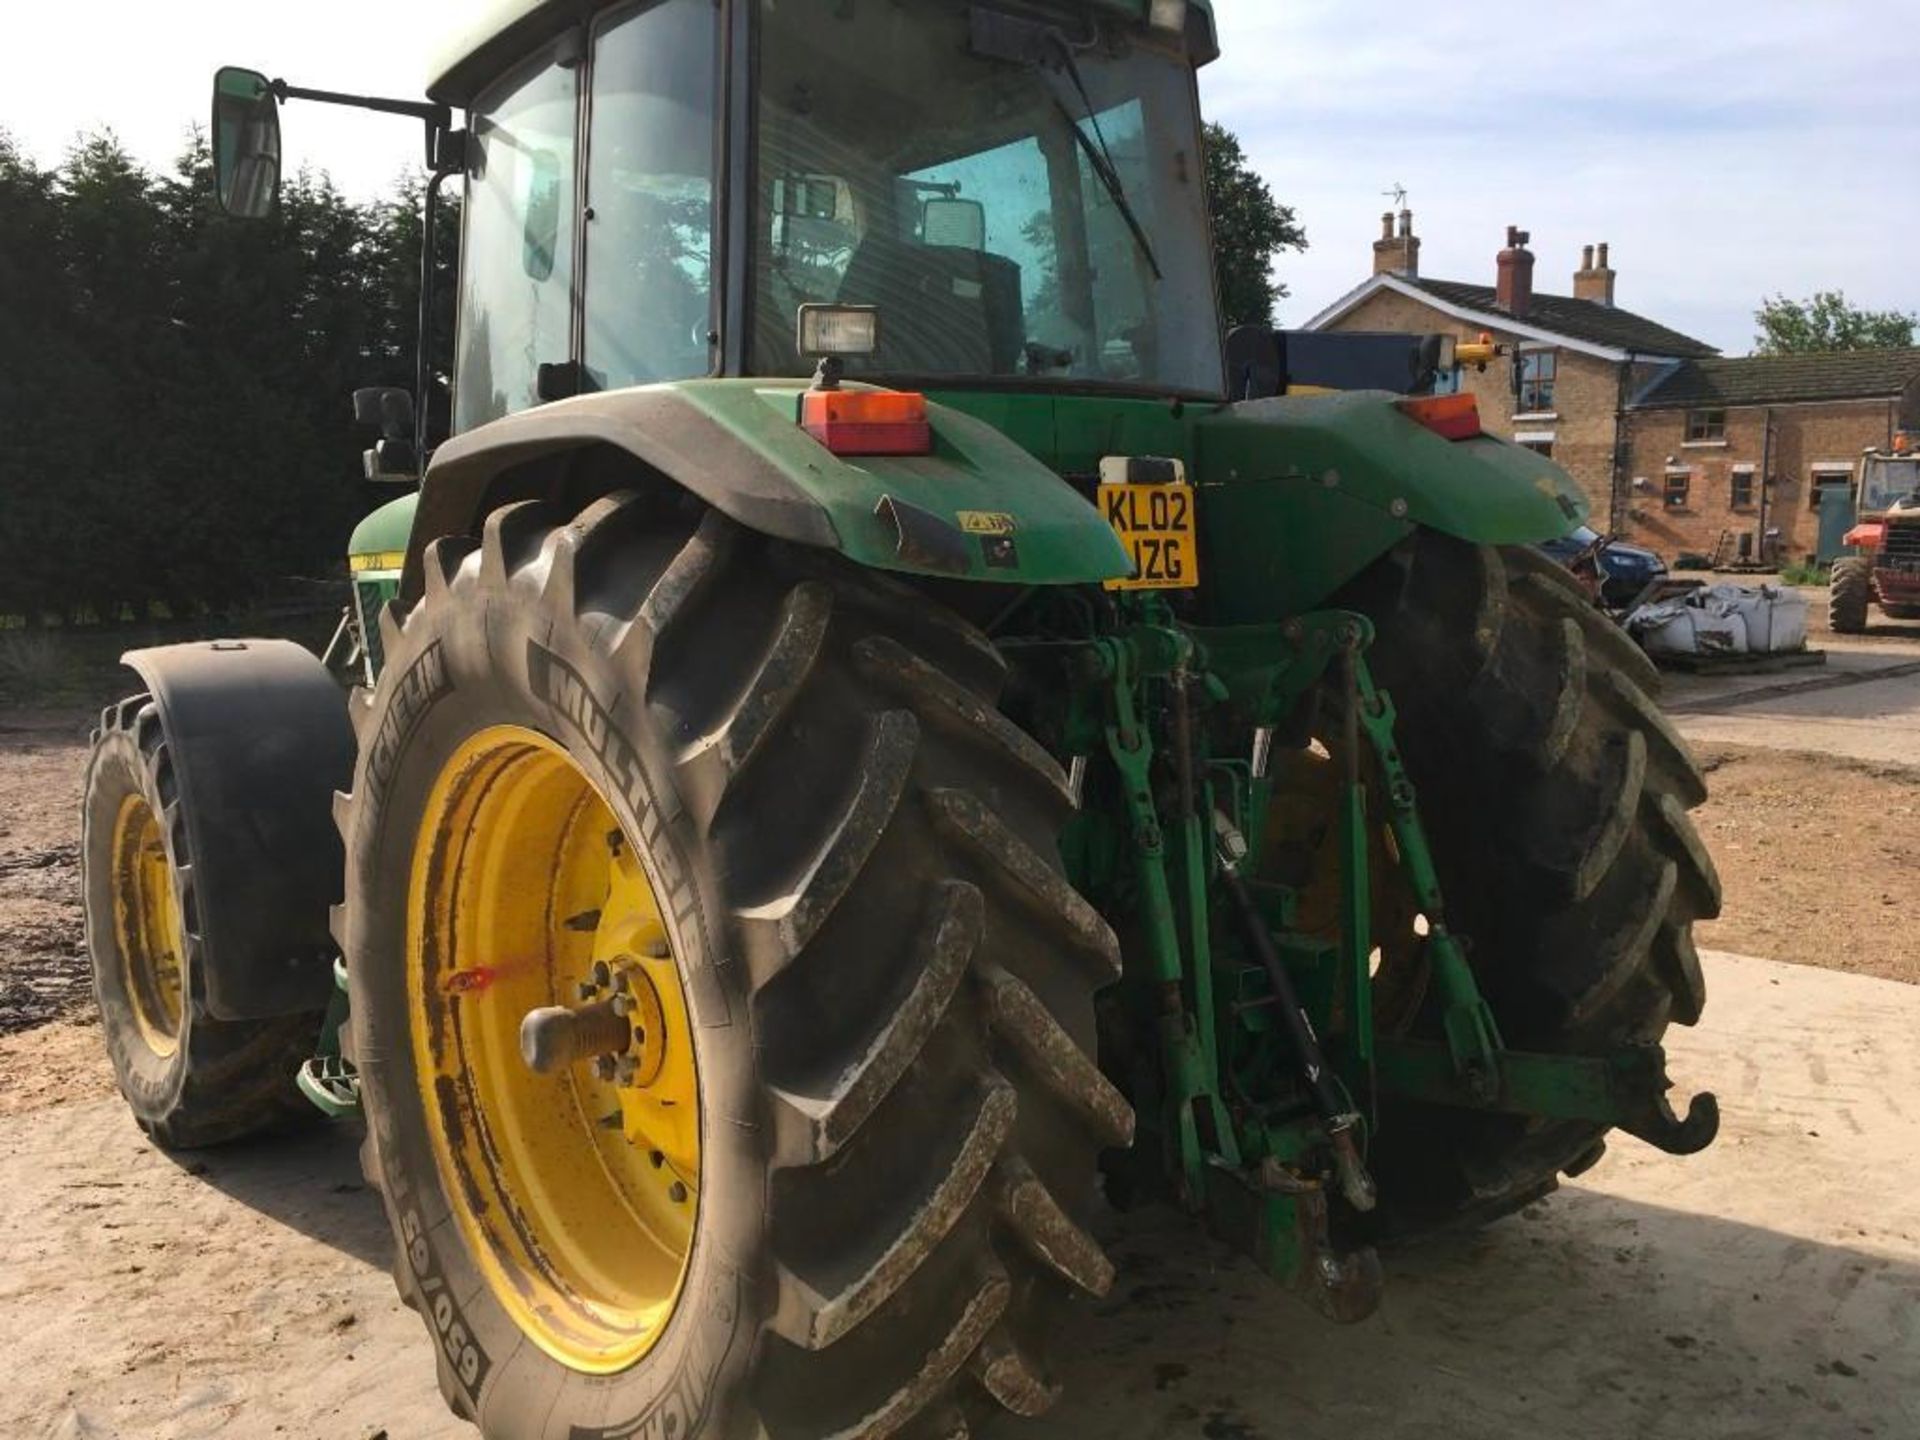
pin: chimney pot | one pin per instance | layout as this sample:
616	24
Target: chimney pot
1397	254
1513	286
1595	280
1586	257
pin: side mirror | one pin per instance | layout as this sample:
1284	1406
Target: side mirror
386	408
1256	363
392	462
961	224
246	143
389	409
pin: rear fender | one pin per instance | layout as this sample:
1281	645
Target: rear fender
978	508
260	741
1303	492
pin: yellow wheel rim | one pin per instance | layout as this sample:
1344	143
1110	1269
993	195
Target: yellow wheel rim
146	920
578	1189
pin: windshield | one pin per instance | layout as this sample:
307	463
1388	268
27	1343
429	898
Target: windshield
1887	481
964	196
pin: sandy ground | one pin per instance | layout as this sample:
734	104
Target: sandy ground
1768	1287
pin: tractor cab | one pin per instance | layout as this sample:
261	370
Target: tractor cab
1888	481
949	194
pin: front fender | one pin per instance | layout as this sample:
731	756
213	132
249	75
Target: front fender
259	742
978	508
1303	492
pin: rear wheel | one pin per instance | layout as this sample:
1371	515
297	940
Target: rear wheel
812	1135
191	1080
1556	796
1850	592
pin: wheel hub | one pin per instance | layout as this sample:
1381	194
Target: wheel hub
554	1050
146	916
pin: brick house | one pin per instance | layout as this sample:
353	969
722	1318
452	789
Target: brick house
1582	359
1749	448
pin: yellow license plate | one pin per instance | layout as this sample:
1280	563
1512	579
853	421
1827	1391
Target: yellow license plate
1156	524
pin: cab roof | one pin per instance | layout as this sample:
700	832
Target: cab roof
505	31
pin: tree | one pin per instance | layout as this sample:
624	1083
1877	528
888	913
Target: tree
174	425
1827	322
1250	229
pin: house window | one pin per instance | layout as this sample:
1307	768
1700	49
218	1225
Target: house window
1740	490
1704	426
1679	483
1537	371
1539	447
1831	477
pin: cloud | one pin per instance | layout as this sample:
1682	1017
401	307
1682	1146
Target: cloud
1727	149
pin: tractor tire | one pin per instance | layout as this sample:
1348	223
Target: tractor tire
191	1080
1849	593
1555	794
887	981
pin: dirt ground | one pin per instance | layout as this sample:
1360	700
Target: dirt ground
1767	1289
1811	854
49	1049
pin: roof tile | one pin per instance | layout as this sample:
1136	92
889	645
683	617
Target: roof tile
1587	320
1778	379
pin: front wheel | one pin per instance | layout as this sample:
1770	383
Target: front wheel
723	1019
1849	593
190	1079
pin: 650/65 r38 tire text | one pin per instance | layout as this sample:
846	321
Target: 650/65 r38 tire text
813	1131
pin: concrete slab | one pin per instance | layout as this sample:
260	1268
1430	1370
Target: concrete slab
1876	720
1767	1288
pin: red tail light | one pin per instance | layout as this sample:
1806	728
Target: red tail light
868	422
1451	417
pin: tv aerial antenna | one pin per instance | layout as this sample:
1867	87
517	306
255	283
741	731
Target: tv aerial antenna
1399	195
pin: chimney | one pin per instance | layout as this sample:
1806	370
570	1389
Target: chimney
1593	281
1513	288
1397	254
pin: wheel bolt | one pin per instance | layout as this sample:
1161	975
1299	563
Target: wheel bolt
623	1004
602	974
603	1067
586	990
553	1037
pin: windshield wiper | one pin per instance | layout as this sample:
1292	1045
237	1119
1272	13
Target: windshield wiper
1099	157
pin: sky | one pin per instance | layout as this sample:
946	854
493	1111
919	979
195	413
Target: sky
1727	149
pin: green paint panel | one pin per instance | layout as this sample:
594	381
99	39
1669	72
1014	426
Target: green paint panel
385	531
975	469
1300	493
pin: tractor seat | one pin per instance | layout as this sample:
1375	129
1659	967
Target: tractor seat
944	310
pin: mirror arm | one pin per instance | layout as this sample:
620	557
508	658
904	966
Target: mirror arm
440	115
446	155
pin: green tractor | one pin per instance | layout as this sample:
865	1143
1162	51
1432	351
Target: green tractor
874	733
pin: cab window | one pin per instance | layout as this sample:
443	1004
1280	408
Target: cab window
517	261
650	191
